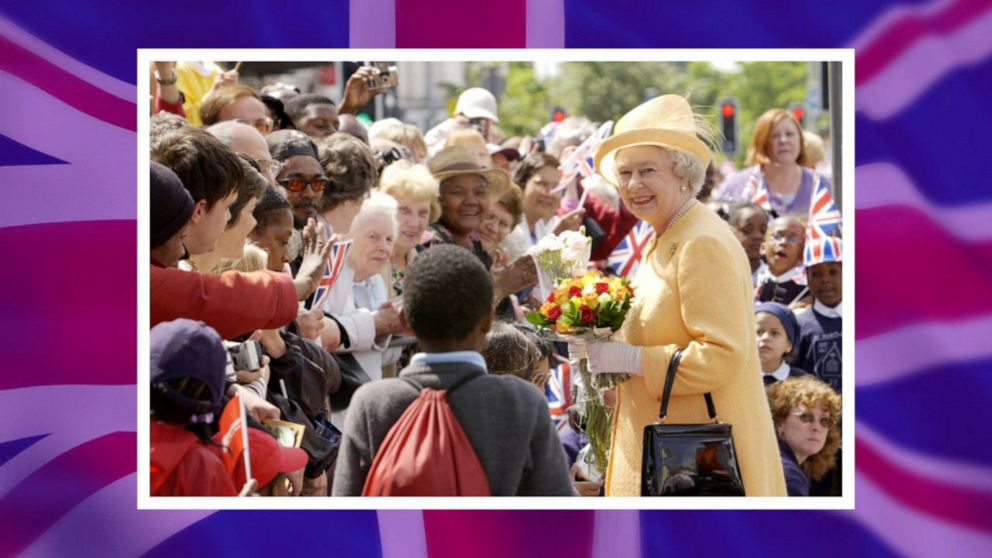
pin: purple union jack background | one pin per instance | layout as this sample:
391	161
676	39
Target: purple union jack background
924	248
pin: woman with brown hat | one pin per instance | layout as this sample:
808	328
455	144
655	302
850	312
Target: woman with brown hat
693	293
465	189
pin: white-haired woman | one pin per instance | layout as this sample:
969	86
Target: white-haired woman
359	300
693	293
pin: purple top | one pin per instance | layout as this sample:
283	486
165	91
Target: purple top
734	188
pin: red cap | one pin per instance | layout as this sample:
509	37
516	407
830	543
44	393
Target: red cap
268	459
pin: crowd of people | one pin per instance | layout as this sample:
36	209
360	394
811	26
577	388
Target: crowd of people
332	275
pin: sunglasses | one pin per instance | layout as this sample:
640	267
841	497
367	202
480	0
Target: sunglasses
807	417
295	185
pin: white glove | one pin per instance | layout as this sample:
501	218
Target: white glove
614	356
576	350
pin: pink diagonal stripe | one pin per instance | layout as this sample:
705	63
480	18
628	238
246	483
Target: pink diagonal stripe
948	502
67	87
902	34
461	24
35	504
883	254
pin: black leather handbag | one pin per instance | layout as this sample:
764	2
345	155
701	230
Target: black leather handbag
689	459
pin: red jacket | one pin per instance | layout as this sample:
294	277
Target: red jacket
233	303
181	465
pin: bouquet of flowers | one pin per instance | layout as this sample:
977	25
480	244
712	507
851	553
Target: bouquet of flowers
582	306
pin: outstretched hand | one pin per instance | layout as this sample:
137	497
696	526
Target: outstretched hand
315	253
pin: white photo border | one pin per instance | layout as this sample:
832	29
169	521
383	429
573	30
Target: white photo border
844	56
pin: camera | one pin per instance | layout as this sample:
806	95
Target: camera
384	77
479	124
246	356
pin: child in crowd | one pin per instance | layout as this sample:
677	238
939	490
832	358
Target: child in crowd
784	278
504	418
188	363
777	335
820	326
508	350
750	223
277	470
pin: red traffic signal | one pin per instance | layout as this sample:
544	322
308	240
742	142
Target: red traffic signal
728	109
558	115
799	113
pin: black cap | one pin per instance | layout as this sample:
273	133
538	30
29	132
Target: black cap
171	204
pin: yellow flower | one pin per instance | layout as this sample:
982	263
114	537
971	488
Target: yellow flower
591	299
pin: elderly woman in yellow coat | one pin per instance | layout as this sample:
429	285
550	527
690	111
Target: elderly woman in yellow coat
693	291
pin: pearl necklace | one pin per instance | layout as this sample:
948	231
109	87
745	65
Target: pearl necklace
682	209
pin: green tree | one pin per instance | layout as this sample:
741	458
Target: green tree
606	90
525	106
761	86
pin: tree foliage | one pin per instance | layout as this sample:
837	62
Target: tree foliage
607	90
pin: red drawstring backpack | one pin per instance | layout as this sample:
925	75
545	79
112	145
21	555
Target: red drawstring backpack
426	453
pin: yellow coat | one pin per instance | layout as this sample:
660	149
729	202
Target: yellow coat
693	290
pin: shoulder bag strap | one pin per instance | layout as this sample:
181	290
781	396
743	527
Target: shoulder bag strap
673	367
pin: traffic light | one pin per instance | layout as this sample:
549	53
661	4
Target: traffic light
728	125
799	111
558	114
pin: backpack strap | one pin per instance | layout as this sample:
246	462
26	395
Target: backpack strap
459	383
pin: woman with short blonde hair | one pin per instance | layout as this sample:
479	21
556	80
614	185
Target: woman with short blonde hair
416	193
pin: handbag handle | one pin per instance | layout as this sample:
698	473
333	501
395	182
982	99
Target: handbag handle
673	367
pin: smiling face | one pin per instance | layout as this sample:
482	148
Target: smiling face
538	199
647	185
804	439
783	144
373	244
773	342
413	218
464	200
825	282
783	246
496	225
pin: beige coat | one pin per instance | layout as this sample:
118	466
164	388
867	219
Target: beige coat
694	291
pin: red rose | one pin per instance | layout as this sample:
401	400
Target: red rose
575	291
551	297
554	313
587	314
602	288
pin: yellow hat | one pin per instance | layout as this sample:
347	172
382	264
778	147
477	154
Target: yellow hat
666	121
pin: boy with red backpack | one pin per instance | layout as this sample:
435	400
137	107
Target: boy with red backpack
445	427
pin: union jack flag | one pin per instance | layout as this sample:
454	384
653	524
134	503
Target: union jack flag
824	217
822	250
626	257
332	269
558	392
580	161
756	184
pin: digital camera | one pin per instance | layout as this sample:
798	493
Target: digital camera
246	356
384	77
